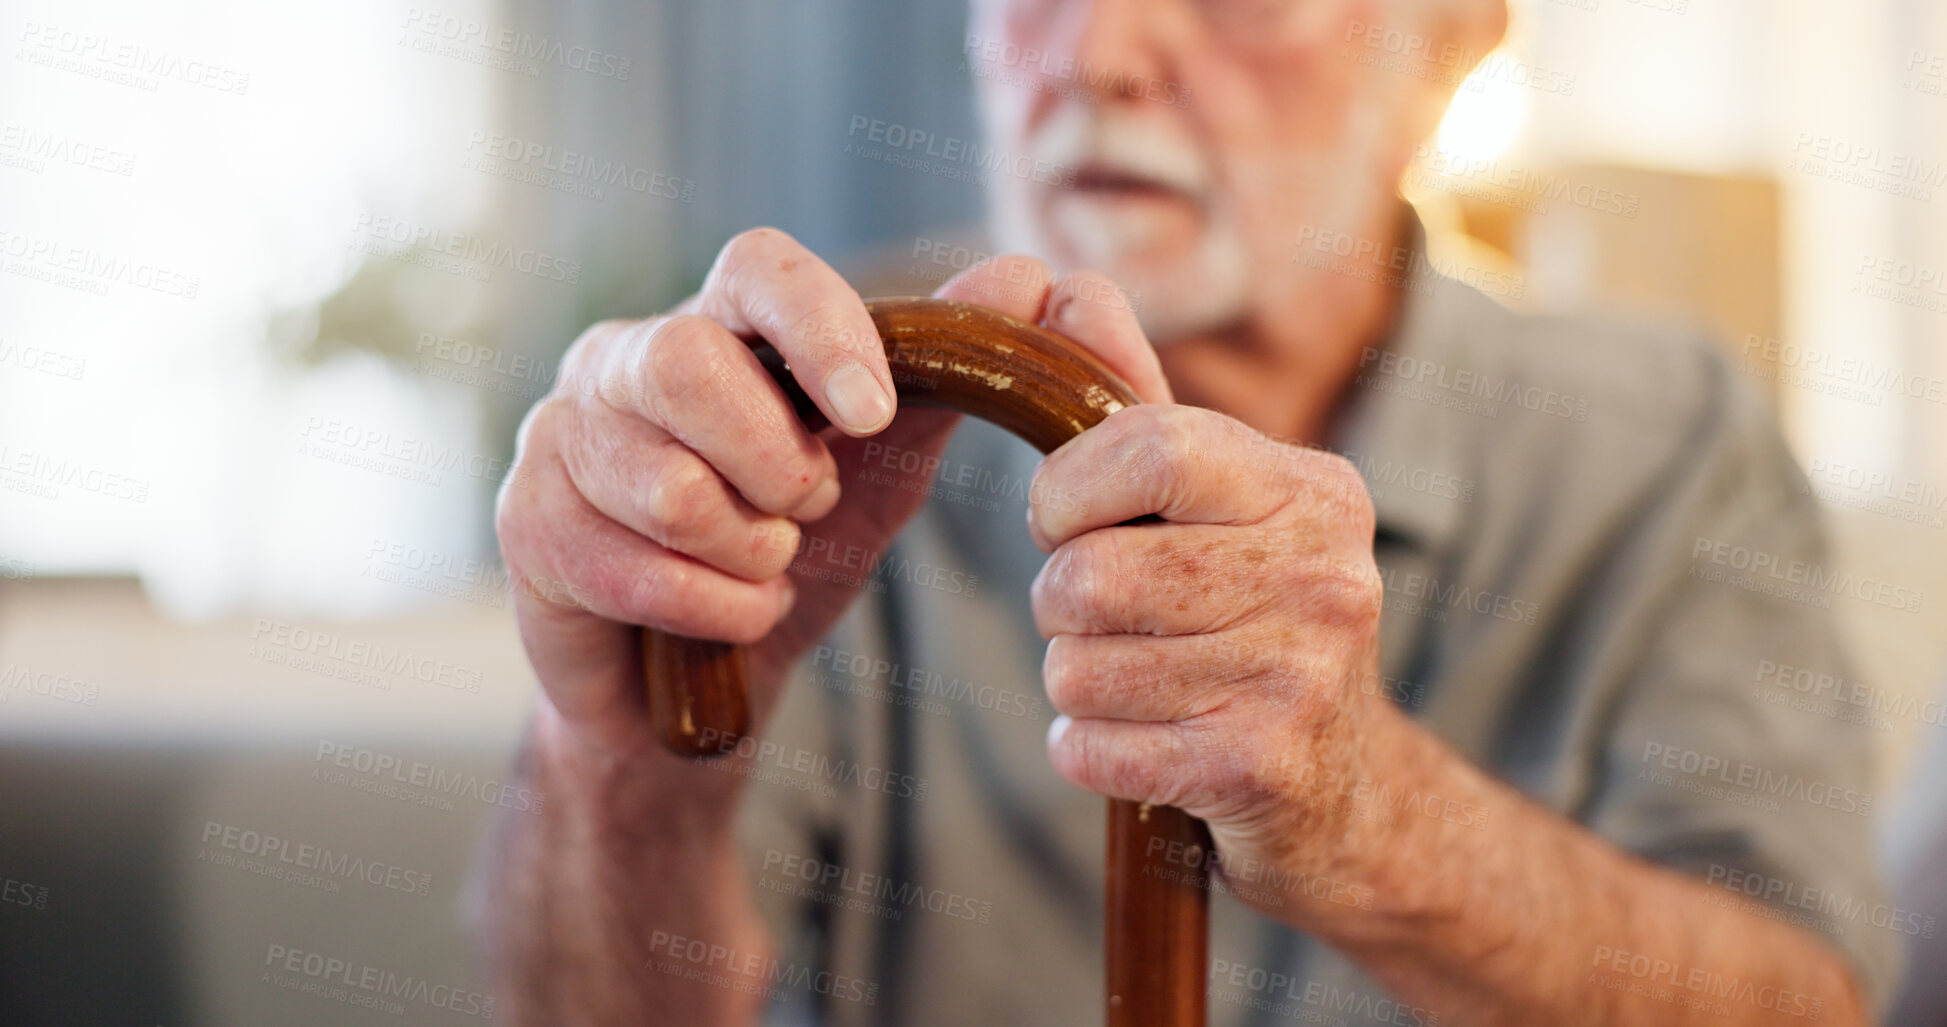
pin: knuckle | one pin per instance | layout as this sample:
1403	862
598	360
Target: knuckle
679	359
581	364
747	248
790	484
1138	439
773	546
512	514
1118	774
676	503
1351	594
1335	485
1088	759
1179	428
1063	677
656	591
584	354
761	237
1168	435
1085	576
541	428
823	331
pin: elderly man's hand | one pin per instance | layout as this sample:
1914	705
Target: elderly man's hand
1214	661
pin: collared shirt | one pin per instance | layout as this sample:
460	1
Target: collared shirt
1604	575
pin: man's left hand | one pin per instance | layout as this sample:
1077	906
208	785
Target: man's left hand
1218	661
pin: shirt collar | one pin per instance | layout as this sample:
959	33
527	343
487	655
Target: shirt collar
1409	439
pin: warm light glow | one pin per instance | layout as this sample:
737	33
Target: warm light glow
1489	110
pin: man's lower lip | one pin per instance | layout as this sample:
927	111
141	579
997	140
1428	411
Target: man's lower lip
1129	192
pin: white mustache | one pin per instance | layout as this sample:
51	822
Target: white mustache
1117	143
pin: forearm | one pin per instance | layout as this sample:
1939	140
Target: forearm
599	905
1513	915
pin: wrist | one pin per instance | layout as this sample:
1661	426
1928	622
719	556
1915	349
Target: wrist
641	795
1416	815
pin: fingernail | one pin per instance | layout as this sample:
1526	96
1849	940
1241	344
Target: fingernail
858	399
1057	728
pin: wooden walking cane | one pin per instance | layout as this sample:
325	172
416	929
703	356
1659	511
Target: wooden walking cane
1046	390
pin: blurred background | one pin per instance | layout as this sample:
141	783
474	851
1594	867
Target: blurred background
280	281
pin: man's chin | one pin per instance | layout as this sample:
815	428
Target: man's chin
1177	286
1176	294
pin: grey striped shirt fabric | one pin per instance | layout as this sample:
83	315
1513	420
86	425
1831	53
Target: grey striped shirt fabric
1595	548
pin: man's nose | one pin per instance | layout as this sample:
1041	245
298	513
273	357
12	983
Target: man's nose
1113	47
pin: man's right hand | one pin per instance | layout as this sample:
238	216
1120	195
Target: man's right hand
666	478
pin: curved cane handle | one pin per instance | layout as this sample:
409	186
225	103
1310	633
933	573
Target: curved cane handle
1046	390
